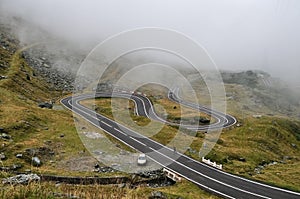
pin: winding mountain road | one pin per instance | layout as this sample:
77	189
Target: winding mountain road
208	178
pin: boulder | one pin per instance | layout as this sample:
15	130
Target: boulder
21	179
36	162
3	77
28	77
157	195
45	105
2	156
204	120
19	155
5	136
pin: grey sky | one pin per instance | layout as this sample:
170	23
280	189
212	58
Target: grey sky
238	34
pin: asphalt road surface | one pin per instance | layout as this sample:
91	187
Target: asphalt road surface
206	177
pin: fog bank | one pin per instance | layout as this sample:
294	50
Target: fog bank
239	35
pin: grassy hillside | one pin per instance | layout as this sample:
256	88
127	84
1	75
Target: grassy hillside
29	126
51	135
264	149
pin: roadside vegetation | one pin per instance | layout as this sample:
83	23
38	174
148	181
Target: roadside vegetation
264	149
51	135
51	190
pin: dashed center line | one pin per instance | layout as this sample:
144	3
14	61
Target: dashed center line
138	141
106	124
120	131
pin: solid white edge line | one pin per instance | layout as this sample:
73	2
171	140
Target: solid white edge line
238	177
137	141
105	123
120	131
236	188
205	187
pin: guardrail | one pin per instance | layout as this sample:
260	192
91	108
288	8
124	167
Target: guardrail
173	176
214	164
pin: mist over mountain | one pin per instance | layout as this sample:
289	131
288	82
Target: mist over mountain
239	35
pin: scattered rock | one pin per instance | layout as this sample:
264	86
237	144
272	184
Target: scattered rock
189	149
1	130
151	174
287	157
45	105
93	135
37	156
257	116
21	179
2	156
257	170
272	163
28	77
63	195
103	169
58	73
11	168
46	66
294	145
36	162
19	155
62	135
157	195
204	120
242	159
48	142
123	152
238	124
5	136
3	77
97	152
122	185
30	151
16	167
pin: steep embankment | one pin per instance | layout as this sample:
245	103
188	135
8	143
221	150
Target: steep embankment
26	128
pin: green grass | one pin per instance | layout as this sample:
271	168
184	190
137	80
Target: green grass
33	127
30	126
49	190
258	141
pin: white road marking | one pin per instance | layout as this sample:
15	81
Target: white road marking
105	123
138	141
92	115
120	131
